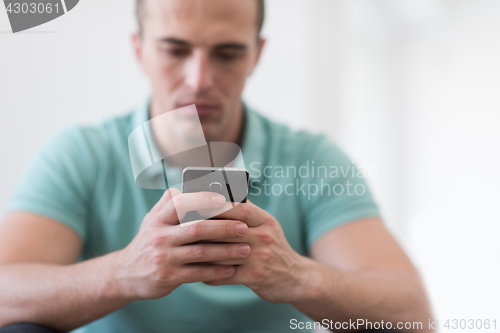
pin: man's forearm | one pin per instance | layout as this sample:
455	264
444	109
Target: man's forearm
340	296
61	297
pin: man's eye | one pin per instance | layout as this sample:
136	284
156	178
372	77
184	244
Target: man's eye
177	52
228	56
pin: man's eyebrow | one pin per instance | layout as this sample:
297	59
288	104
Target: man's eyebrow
234	46
228	45
172	40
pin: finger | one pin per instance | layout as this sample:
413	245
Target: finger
214	212
176	208
205	252
234	262
194	231
247	212
249	238
231	280
239	277
187	202
159	214
204	272
221	282
167	195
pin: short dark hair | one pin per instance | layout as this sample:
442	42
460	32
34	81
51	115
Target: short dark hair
139	12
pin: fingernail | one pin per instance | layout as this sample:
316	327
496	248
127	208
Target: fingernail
204	212
241	229
229	269
244	249
218	199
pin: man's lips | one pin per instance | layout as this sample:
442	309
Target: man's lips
202	109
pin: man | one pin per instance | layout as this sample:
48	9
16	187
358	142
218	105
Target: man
265	266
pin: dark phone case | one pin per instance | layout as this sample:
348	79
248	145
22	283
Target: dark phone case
234	186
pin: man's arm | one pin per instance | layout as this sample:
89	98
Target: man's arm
360	272
357	271
41	284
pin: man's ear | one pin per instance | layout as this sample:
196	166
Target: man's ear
136	40
260	47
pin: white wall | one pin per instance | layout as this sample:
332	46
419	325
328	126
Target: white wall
78	68
414	90
452	158
407	86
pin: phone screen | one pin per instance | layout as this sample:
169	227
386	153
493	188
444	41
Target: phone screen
230	182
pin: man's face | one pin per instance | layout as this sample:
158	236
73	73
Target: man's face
199	52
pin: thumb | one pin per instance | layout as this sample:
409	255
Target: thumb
167	195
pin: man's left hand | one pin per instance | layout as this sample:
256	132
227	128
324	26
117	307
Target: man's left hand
273	270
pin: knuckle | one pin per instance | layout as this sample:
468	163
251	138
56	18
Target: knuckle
244	211
264	255
169	194
157	240
229	228
153	218
220	271
260	274
170	205
265	238
160	276
158	259
177	203
194	229
199	273
156	219
232	252
199	251
164	198
270	221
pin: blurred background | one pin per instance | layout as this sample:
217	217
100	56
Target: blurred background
409	87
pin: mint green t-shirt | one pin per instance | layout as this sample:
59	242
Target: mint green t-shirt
83	178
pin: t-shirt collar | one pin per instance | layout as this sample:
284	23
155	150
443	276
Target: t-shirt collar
253	142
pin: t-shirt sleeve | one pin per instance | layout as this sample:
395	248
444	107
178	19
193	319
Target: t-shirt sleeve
338	192
56	183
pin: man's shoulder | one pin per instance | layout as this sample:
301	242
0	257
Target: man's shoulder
114	127
293	143
99	133
88	144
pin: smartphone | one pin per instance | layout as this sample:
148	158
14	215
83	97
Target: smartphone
232	183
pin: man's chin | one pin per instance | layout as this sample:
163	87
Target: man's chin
211	131
191	131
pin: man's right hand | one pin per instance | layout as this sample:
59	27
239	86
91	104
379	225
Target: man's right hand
161	257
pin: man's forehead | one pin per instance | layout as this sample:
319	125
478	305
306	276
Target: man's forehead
202	21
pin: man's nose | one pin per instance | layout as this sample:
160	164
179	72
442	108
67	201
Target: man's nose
199	74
